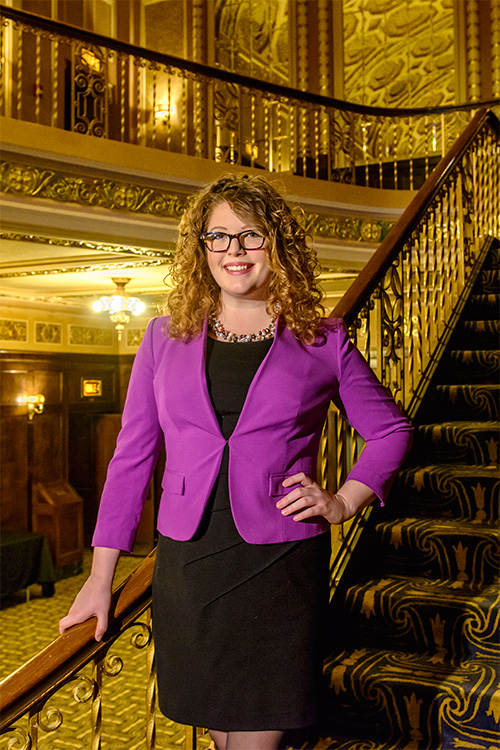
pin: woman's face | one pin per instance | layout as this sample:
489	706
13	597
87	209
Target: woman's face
241	274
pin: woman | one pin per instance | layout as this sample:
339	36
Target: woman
237	382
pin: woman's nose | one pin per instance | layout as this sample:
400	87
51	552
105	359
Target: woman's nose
235	247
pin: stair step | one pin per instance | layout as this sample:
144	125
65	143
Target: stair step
470	366
466	553
461	441
476	401
410	702
477	334
488	281
492	260
484	306
459	491
436	618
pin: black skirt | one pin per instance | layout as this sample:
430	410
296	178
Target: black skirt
238	627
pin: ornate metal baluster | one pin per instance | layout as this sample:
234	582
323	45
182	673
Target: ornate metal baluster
380	153
395	151
267	142
364	145
253	143
407	312
96	709
316	142
121	77
38	72
33	728
140	95
151	701
303	138
292	135
55	82
154	68
426	146
352	154
183	115
415	348
19	76
410	155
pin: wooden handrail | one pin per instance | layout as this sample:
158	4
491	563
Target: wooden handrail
44	673
210	72
371	275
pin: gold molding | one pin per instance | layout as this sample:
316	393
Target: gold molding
34	182
99	247
118	266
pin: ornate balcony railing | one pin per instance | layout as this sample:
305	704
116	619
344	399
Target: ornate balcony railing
61	76
400	311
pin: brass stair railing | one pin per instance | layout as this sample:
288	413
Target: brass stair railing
402	307
94	85
400	312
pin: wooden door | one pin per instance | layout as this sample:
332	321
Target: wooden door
31	450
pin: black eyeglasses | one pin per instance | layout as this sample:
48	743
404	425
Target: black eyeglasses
218	242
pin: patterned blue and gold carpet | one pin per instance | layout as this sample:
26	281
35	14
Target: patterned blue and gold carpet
418	614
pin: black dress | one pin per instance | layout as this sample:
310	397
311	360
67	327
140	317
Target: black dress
237	626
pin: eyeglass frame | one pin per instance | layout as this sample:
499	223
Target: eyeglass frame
204	238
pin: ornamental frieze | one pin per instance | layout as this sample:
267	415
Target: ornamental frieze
34	182
347	227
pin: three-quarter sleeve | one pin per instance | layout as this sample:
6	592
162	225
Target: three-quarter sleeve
133	463
371	410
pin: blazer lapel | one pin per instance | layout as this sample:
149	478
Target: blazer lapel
187	380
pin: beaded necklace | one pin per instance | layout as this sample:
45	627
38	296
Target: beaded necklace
235	338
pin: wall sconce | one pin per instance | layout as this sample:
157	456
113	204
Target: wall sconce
34	404
119	305
165	112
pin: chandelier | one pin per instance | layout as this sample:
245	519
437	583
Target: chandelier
119	306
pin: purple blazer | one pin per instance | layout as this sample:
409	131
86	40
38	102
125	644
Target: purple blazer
277	435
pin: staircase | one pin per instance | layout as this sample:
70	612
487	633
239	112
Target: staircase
417	615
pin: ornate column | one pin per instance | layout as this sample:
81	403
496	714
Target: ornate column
473	51
495	46
200	91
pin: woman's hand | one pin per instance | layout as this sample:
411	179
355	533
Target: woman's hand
93	600
311	500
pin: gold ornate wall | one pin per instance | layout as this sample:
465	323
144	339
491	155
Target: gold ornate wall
392	53
252	38
399	54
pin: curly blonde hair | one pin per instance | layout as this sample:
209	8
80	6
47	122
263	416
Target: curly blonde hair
292	286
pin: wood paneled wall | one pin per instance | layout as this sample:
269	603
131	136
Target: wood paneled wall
61	442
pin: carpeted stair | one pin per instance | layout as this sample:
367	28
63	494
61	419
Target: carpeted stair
414	633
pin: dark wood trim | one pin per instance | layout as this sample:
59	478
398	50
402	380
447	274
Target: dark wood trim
208	72
66	357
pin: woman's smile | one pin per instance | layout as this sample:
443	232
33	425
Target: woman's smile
238	268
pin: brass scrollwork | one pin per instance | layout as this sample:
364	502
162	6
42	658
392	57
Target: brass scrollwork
143	637
84	689
20	739
112	665
50	720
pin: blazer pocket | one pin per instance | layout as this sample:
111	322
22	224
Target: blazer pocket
173	481
276	488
